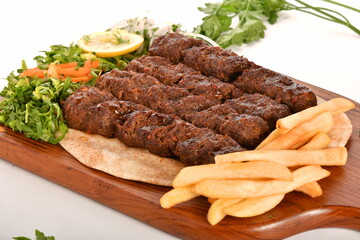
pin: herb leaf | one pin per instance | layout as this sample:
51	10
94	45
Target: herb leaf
39	236
249	16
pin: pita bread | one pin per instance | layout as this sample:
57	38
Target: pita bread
341	131
113	157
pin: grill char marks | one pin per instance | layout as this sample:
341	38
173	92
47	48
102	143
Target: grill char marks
277	86
134	87
261	106
161	68
245	129
138	127
251	104
135	125
173	45
210	61
182	76
228	66
243	115
215	61
186	106
79	110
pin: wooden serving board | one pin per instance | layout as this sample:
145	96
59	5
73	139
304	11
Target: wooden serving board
339	206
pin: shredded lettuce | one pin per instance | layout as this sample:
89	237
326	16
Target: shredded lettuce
32	107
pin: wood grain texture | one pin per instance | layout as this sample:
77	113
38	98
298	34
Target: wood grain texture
338	207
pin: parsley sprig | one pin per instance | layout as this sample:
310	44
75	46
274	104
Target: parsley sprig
249	16
38	236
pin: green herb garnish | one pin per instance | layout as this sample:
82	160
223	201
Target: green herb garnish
73	53
119	39
87	38
38	236
60	54
31	106
249	17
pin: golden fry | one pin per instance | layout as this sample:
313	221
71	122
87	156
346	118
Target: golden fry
176	196
312	189
216	213
212	200
258	188
299	144
319	141
303	132
334	106
272	136
290	158
241	188
250	170
251	207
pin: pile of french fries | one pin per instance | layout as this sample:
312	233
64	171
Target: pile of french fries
250	183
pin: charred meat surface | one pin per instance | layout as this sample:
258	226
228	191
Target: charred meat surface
161	68
79	107
172	46
211	61
135	131
166	99
261	106
277	86
210	86
136	125
215	61
182	76
229	67
248	130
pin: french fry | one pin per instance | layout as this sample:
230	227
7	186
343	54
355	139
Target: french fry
245	170
241	188
301	143
290	158
216	211
272	136
334	106
250	183
258	188
254	206
212	200
302	132
312	189
176	196
319	141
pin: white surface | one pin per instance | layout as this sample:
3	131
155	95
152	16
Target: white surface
304	47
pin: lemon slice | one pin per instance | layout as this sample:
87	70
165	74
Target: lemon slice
110	43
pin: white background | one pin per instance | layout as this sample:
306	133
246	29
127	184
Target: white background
304	47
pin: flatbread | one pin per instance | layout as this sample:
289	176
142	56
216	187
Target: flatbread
113	157
341	131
